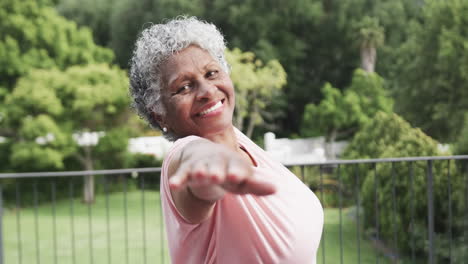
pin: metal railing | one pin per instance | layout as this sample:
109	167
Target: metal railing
49	223
387	247
43	220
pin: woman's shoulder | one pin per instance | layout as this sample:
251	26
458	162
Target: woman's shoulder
178	145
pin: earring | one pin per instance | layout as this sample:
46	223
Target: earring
164	129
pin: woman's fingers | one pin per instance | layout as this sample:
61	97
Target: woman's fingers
216	171
237	172
236	176
199	173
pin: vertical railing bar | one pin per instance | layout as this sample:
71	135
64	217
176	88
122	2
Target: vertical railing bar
430	211
1	223
90	228
143	217
340	201
18	222
413	257
302	173
108	235
376	205
394	205
36	223
54	220
358	222
126	220
449	191
466	210
161	226
321	198
72	218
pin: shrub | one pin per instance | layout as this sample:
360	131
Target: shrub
388	135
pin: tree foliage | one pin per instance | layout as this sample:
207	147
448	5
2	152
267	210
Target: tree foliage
380	20
315	41
432	90
256	84
140	14
340	114
48	106
371	36
94	14
51	109
388	135
33	35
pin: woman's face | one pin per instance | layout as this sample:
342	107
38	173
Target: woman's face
197	94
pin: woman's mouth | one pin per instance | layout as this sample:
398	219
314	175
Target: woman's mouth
211	109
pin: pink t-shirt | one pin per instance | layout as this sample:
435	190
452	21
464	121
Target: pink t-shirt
281	228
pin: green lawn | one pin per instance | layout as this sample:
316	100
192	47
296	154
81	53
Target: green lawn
26	252
349	246
28	248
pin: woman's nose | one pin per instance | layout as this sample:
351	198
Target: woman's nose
205	90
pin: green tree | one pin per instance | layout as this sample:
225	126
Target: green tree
139	14
341	114
50	108
380	20
295	33
271	29
94	14
256	84
388	135
316	41
432	90
33	35
371	36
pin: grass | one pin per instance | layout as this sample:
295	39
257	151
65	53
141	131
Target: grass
146	242
349	249
108	243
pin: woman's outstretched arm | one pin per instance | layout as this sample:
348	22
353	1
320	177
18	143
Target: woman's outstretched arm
203	171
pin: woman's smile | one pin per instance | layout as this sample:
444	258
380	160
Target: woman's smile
212	110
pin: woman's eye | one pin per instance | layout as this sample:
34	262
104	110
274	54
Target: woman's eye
211	74
183	89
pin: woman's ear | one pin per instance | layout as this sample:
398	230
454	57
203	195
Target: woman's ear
159	119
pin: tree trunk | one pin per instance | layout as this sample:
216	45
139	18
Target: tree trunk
88	189
368	57
252	121
238	121
88	186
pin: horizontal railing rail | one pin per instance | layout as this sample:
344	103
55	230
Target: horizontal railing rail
77	173
401	210
383	160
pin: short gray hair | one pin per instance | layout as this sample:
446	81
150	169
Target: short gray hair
154	46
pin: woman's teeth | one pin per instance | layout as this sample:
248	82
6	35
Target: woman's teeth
211	109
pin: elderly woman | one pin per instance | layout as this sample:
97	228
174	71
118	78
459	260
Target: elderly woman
224	200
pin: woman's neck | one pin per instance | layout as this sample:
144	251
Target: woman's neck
227	137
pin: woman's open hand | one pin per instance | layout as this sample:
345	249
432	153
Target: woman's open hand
209	170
